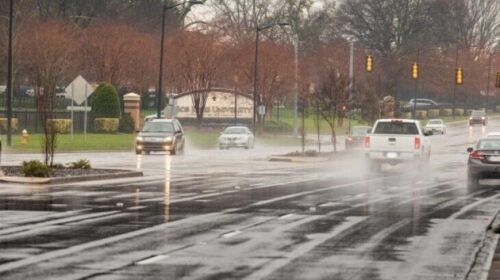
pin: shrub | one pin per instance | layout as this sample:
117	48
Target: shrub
127	124
105	102
3	124
273	127
62	126
58	166
80	164
35	168
106	125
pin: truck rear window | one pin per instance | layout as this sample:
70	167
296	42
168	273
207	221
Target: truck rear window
396	128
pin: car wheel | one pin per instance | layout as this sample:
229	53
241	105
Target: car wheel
147	152
174	150
472	182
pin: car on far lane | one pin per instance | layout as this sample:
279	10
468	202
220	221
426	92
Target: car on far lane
478	117
356	136
236	137
160	135
484	161
435	126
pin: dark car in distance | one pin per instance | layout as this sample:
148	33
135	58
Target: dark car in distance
484	161
160	135
478	117
356	136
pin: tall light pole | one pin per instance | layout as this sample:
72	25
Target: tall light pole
351	82
159	94
9	76
256	100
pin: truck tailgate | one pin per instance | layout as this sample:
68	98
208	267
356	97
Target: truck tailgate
391	142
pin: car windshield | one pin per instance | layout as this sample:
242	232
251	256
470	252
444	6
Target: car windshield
359	131
396	128
158	127
235	130
435	122
489	144
477	113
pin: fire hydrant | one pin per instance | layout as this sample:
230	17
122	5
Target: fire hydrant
24	137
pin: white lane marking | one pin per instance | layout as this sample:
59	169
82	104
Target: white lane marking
152	259
55	222
231	234
319	239
287	216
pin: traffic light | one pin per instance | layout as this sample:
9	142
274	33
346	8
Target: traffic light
369	63
414	71
497	84
459	76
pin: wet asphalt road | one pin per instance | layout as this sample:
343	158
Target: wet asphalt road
234	215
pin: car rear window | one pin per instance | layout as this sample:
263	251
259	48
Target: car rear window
396	128
435	122
489	144
478	113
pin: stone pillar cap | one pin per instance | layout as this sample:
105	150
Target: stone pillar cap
131	96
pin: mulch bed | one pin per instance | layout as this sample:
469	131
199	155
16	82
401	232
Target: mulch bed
15	171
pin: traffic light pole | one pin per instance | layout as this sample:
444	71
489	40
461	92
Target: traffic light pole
455	84
415	93
9	76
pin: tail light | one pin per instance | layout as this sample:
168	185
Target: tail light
417	143
476	155
367	141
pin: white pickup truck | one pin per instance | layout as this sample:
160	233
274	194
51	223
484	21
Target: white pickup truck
394	141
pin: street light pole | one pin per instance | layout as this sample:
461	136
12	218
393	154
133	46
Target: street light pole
351	82
255	71
159	94
9	76
256	99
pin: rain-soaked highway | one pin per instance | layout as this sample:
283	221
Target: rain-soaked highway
233	215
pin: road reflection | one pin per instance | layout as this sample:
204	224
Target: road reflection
166	191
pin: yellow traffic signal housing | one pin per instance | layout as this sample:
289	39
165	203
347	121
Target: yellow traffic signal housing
369	63
459	76
414	71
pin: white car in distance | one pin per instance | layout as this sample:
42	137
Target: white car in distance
236	137
493	135
435	126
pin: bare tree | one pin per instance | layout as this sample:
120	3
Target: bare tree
330	96
46	55
194	65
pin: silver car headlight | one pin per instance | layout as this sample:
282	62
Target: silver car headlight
139	139
167	139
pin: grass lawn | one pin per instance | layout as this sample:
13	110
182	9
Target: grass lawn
94	142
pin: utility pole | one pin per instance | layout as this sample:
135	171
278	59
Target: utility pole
351	82
488	83
9	76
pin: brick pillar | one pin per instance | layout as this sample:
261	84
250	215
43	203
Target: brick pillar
132	105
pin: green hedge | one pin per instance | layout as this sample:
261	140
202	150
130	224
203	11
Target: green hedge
106	125
105	102
127	124
3	124
62	126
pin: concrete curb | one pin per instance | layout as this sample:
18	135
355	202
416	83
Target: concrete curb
71	179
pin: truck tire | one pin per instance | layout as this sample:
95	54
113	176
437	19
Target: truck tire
374	166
